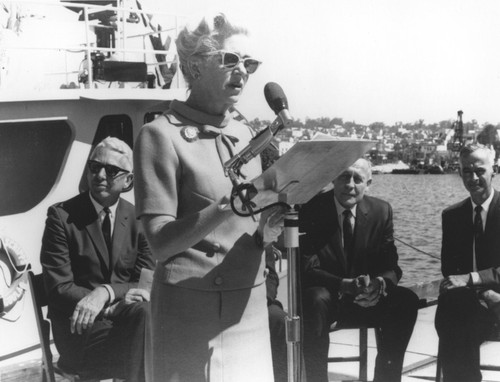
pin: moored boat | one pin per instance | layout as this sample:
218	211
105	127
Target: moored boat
434	169
405	171
71	74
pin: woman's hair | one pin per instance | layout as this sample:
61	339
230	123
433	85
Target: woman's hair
203	39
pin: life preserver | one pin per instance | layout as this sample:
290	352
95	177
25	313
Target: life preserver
13	278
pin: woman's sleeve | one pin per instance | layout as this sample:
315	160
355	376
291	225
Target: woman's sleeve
156	171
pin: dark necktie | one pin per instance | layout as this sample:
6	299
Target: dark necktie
478	233
106	229
348	237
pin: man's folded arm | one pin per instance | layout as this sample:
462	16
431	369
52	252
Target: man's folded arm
390	271
488	277
63	293
314	275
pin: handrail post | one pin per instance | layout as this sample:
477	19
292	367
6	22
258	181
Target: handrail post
87	47
293	323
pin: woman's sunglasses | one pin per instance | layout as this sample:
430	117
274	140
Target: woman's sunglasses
111	171
230	60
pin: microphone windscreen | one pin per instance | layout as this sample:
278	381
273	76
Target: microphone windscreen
275	97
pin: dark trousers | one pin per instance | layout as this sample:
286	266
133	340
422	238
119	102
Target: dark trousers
394	315
277	329
462	324
112	348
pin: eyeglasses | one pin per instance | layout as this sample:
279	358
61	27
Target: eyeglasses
230	60
111	171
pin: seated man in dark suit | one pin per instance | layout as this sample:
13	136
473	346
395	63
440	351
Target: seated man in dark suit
351	272
470	263
93	251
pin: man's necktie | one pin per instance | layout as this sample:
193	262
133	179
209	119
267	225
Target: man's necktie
478	233
106	229
348	237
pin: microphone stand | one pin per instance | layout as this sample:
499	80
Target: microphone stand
233	166
291	235
293	323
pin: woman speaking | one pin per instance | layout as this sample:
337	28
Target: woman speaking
209	314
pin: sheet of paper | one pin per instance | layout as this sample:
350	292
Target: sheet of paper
307	168
146	279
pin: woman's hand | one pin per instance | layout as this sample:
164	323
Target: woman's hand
271	223
136	295
133	295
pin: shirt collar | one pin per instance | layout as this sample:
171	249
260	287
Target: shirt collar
485	204
340	209
98	207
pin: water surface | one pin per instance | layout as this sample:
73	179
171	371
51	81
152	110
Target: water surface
418	201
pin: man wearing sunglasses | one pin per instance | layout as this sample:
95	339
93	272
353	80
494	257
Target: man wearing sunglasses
469	301
93	251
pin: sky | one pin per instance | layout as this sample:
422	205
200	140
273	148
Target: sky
369	60
360	60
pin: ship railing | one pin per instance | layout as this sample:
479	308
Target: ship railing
122	39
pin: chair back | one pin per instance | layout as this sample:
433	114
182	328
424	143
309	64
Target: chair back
39	298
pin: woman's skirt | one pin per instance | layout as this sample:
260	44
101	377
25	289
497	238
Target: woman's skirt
208	336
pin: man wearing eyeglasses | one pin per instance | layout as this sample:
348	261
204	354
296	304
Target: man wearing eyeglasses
93	251
470	263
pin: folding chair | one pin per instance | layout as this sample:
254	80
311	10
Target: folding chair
39	298
494	337
362	357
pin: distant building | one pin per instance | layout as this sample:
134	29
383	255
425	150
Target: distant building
283	147
297	132
428	148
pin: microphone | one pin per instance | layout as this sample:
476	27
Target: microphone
277	101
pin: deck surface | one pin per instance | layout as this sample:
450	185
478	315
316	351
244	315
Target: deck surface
419	362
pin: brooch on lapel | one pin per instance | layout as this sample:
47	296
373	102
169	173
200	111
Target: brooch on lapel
190	133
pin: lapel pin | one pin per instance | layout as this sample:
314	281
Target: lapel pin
190	133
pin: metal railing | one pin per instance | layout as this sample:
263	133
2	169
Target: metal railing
123	39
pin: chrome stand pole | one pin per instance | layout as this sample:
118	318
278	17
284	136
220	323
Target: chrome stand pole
293	325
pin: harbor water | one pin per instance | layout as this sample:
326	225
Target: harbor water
417	202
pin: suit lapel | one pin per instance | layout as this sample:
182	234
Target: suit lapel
491	226
120	231
465	233
491	232
336	234
93	228
360	235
